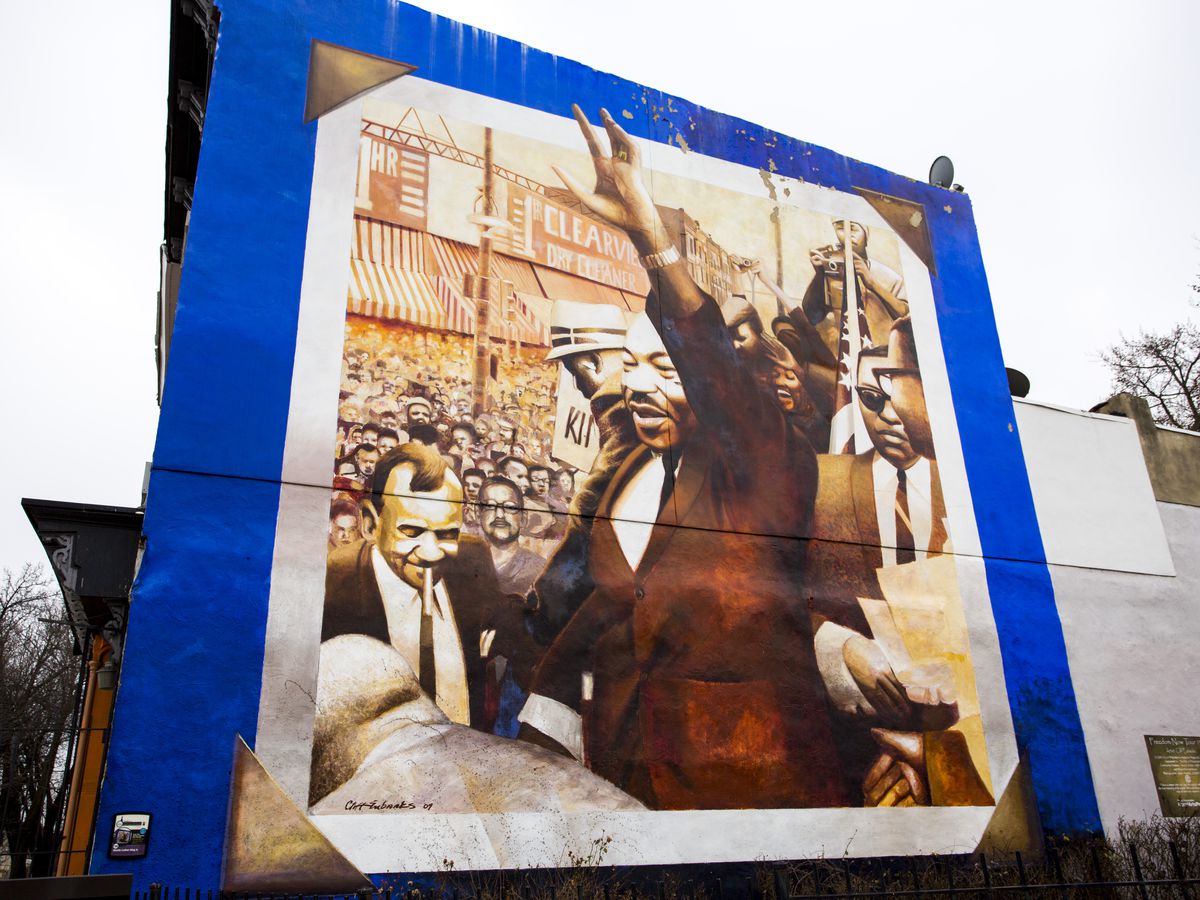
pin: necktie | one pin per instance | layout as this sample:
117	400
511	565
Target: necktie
905	547
668	487
427	667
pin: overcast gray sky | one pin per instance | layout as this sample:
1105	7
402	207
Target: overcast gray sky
1073	126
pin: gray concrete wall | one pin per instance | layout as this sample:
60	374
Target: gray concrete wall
1133	642
1126	575
1172	455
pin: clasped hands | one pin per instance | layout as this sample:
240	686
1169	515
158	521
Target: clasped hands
898	776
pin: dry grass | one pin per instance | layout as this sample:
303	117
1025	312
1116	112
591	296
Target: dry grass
1158	848
1154	850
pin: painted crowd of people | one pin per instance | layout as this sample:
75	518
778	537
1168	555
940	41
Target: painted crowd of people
683	620
401	384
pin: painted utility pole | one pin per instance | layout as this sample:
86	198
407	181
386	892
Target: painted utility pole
482	288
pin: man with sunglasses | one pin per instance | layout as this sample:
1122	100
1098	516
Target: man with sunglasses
906	390
883	507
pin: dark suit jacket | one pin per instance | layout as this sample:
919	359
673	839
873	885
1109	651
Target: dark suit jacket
565	583
845	551
706	689
353	604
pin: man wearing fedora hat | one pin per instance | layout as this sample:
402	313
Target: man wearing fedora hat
586	339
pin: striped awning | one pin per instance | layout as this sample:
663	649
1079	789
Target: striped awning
455	260
460	310
391	245
517	317
571	287
518	272
401	274
386	292
527	316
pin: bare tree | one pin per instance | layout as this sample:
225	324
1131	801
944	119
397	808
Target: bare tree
38	692
1163	368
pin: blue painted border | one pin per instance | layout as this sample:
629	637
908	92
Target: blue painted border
192	672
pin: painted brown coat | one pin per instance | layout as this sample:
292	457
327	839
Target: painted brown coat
706	689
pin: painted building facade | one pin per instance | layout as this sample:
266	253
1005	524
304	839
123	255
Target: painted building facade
512	493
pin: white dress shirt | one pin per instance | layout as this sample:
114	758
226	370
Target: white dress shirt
636	508
402	605
920	505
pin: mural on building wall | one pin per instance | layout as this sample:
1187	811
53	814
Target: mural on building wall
595	491
635	504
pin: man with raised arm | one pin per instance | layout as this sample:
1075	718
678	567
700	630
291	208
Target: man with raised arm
689	677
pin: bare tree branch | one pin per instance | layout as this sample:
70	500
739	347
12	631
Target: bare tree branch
1164	369
38	685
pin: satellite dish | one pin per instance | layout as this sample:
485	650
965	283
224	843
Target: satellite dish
1018	383
941	173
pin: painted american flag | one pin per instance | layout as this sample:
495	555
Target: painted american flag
847	431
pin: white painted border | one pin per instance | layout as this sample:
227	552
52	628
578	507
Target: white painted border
421	843
293	639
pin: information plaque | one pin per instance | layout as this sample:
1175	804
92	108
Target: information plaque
1175	762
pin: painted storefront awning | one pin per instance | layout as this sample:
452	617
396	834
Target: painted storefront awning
526	317
401	274
518	273
460	309
522	312
456	260
391	245
388	277
519	317
453	260
563	285
386	292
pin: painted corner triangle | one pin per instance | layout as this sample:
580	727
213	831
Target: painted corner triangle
337	74
909	221
270	845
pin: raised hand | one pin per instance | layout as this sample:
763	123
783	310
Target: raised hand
619	197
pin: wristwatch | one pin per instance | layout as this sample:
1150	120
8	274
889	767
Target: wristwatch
661	259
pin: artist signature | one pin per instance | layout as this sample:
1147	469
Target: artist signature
384	805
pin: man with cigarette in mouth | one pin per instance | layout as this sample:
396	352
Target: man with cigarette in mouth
689	677
421	586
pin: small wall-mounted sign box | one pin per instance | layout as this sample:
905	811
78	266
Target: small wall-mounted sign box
130	838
